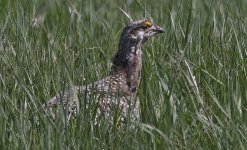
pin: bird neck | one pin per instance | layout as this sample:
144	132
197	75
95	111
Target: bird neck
128	51
128	61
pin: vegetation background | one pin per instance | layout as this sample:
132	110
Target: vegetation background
195	75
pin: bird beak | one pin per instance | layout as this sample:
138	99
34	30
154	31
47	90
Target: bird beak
157	29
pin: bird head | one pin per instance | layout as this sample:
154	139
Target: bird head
142	30
136	33
133	35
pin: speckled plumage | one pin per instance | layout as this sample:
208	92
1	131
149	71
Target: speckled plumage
117	92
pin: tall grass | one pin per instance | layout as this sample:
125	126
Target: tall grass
193	92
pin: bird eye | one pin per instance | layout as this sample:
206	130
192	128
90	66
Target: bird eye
144	27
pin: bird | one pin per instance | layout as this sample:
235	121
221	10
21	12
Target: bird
118	91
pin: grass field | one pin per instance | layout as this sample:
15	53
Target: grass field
194	75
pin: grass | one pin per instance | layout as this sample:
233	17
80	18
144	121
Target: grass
194	75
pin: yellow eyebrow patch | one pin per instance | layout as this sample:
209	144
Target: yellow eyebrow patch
148	23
